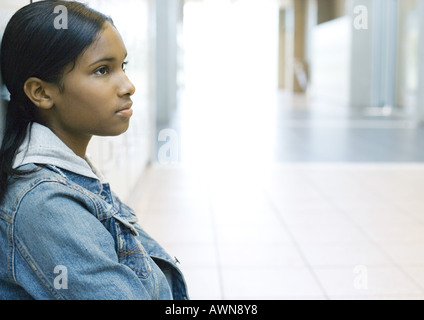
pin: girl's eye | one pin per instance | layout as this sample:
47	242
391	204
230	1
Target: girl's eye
102	71
105	69
124	66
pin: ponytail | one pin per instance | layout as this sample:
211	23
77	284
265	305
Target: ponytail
16	128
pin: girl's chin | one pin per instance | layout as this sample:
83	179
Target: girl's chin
116	131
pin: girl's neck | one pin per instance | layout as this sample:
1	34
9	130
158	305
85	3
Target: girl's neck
78	144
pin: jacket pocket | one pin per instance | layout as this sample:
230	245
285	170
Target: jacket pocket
130	251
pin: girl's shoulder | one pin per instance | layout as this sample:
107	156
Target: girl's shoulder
41	184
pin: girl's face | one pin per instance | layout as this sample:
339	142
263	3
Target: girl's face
96	96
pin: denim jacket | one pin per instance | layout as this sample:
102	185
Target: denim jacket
65	235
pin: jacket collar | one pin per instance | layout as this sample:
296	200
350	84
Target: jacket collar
42	146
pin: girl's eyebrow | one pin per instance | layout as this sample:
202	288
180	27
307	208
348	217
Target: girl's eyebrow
107	59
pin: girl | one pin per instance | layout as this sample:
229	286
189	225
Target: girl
63	233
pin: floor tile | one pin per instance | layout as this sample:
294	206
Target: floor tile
203	283
400	233
259	255
344	255
417	274
365	281
269	283
252	234
405	255
181	229
336	234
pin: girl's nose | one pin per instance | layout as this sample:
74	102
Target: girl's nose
127	87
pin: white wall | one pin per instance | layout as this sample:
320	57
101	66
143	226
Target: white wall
7	8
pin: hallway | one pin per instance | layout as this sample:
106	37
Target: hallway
262	214
277	195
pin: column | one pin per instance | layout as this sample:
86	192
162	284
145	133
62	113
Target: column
361	77
374	55
282	50
420	102
293	64
300	39
167	19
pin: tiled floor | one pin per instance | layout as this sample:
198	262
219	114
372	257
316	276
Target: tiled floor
283	197
291	231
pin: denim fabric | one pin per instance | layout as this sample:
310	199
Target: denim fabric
64	235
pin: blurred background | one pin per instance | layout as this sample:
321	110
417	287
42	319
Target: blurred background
276	146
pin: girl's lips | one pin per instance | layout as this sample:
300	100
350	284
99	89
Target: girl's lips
125	113
126	110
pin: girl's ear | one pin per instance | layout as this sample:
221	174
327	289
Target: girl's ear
39	92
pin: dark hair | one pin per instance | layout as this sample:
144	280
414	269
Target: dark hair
34	46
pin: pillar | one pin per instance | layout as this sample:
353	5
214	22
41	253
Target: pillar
300	42
293	65
167	19
374	55
420	101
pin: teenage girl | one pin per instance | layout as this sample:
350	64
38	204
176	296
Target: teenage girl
63	233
